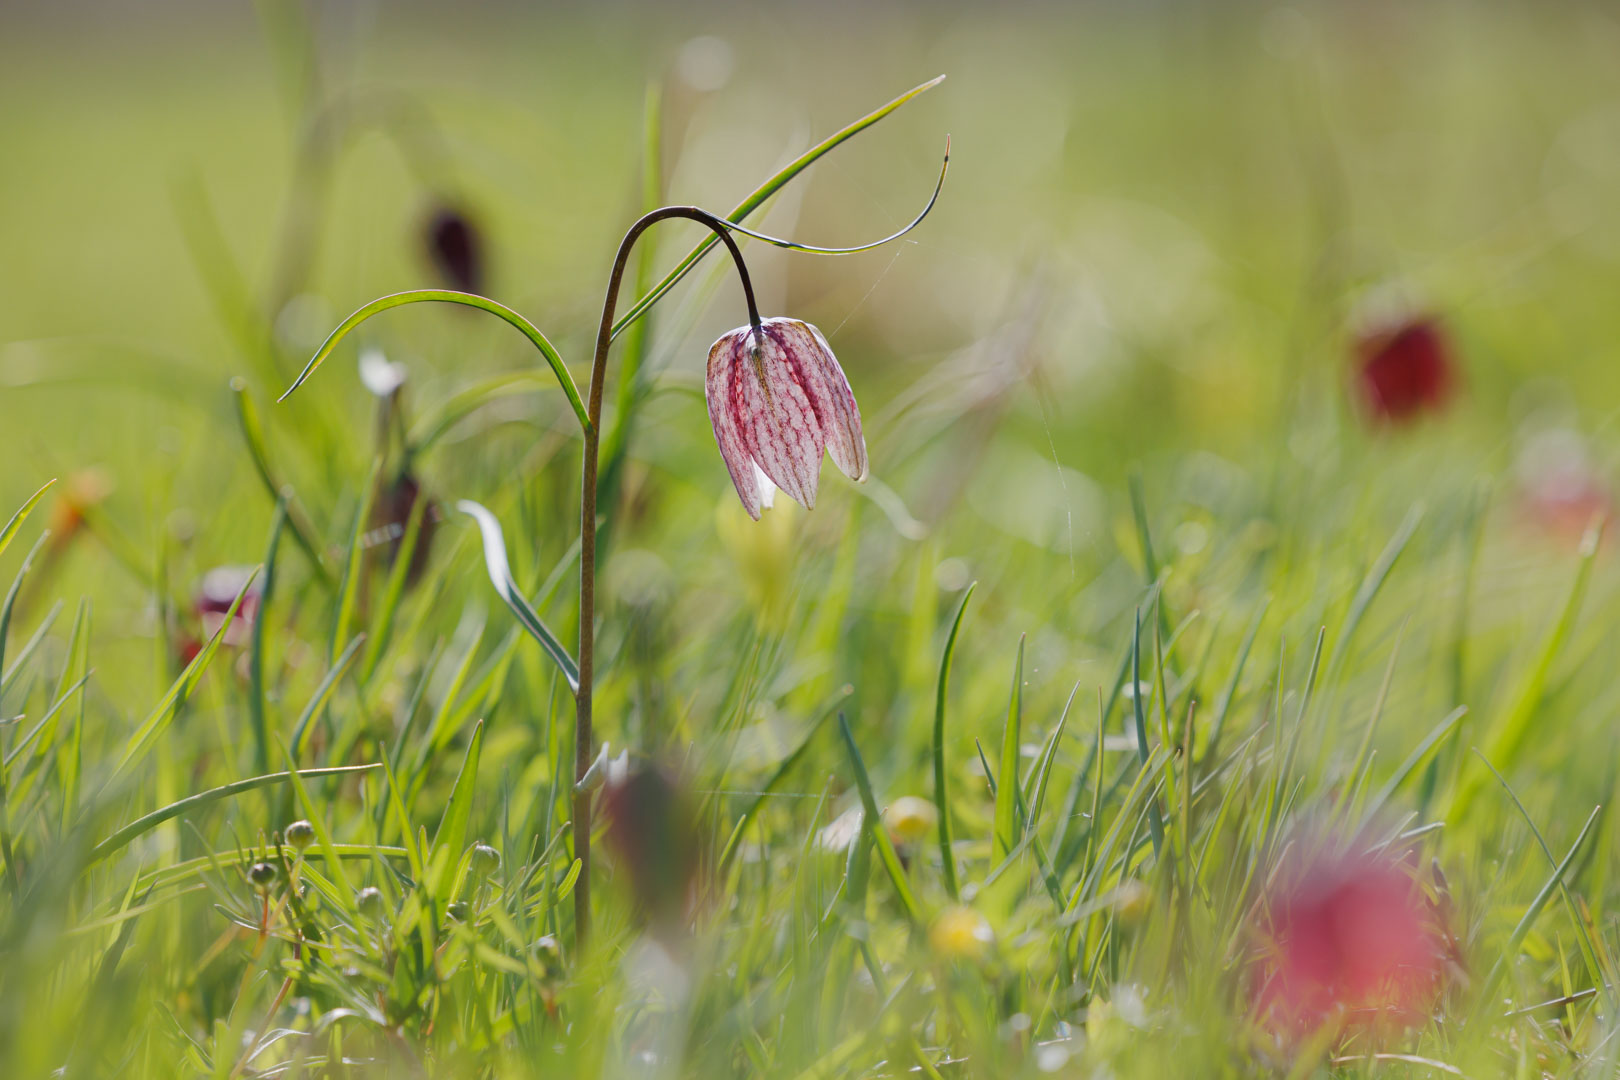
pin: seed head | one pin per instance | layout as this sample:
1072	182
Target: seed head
263	875
485	860
300	834
370	901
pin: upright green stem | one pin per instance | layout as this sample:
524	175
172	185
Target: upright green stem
587	531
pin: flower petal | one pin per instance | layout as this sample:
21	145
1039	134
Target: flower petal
782	430
724	413
827	390
767	490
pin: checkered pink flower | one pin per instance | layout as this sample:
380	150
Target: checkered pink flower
778	400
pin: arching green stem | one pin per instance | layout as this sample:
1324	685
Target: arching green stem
450	296
583	749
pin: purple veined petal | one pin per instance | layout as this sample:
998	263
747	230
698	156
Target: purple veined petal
776	418
724	413
827	390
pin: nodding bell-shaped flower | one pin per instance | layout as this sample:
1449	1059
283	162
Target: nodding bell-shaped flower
778	400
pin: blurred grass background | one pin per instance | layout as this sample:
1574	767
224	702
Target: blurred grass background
1159	226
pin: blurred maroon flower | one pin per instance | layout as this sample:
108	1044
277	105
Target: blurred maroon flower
1346	937
215	596
455	246
1404	368
652	831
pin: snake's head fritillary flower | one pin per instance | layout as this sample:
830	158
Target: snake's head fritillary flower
1348	937
217	593
1404	368
455	246
652	829
1562	490
778	400
391	515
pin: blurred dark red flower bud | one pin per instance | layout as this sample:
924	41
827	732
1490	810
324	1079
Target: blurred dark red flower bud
215	596
455	246
1347	938
653	832
1404	368
390	520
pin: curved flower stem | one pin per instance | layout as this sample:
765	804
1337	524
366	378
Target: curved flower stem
592	426
449	296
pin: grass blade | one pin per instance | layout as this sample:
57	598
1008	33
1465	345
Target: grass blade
873	824
247	415
17	519
500	575
449	296
434	425
942	800
1370	586
1504	741
1155	822
136	828
164	712
354	566
1418	755
323	693
763	192
256	690
1487	991
451	835
782	771
1006	830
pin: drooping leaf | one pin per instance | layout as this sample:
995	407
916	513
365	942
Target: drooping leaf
500	575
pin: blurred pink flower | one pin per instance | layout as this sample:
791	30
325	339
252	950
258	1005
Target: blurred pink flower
215	596
1344	935
778	400
1404	368
652	830
1561	490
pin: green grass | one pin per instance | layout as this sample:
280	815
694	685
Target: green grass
1104	389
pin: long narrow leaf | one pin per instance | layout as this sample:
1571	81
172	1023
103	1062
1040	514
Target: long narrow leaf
17	519
128	833
1005	821
247	415
942	798
763	192
873	824
323	693
144	736
783	770
449	296
451	835
500	575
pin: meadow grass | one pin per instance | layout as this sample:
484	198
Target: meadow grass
989	767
